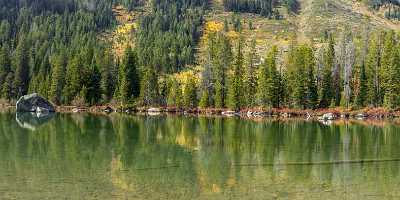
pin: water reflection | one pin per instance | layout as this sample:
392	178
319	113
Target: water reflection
130	157
32	120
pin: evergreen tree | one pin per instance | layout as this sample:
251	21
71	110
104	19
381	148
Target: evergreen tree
250	80
392	97
235	92
5	63
190	93
362	88
373	69
149	88
73	82
221	62
205	99
327	90
269	83
108	83
7	88
299	82
57	79
312	89
21	79
129	83
175	94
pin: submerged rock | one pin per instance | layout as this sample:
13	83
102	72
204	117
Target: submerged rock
34	103
32	120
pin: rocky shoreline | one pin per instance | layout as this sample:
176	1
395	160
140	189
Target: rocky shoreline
320	114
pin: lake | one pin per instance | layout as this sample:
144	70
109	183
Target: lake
87	156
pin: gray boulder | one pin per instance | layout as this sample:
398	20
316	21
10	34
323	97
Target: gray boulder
34	103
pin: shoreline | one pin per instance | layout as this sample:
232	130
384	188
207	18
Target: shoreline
321	114
334	113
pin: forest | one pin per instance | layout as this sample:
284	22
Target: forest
51	47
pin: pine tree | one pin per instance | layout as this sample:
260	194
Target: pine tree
372	71
221	62
250	80
108	77
21	78
386	61
5	63
311	85
392	97
205	99
93	94
73	82
174	94
149	88
57	79
235	92
190	93
327	90
7	89
274	82
129	83
362	88
299	78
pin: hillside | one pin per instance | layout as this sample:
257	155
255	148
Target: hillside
313	20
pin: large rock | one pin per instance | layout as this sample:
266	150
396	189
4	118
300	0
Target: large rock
34	103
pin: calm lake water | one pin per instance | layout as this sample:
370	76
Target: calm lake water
86	156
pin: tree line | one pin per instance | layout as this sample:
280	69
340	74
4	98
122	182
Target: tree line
56	53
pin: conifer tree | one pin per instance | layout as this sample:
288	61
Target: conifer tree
327	91
108	83
392	97
190	93
250	79
149	90
73	82
57	83
299	83
21	79
235	92
93	94
221	62
372	70
7	88
362	88
205	99
129	83
174	94
5	63
312	89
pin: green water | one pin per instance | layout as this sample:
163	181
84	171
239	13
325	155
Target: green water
86	156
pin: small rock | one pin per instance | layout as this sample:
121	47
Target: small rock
360	116
154	110
328	116
230	113
108	109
